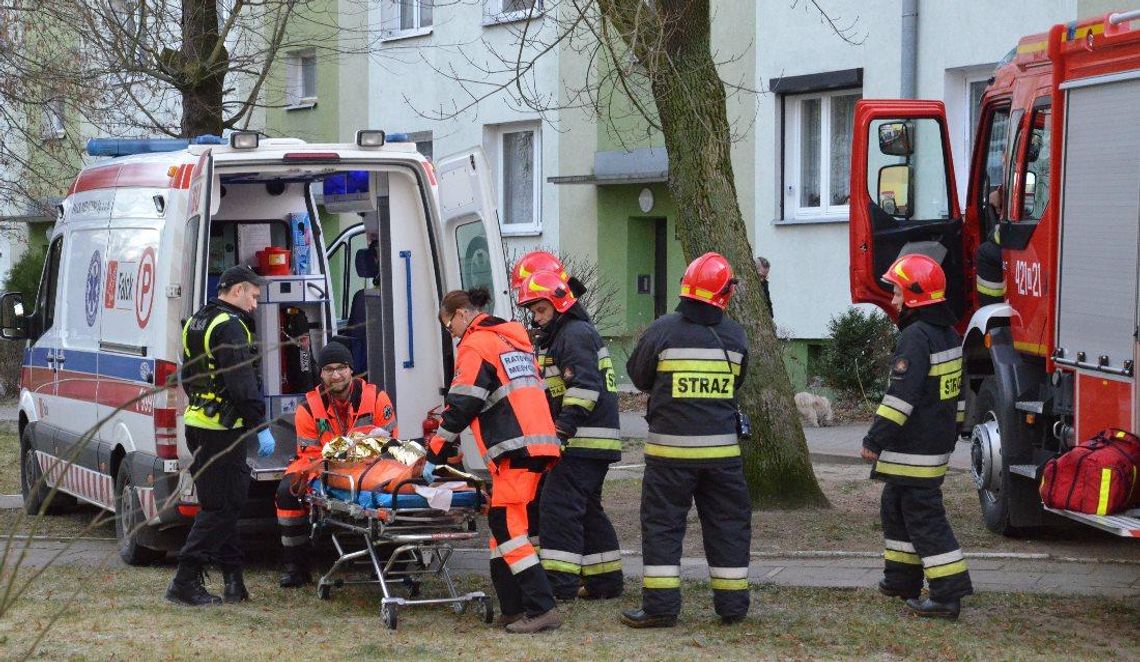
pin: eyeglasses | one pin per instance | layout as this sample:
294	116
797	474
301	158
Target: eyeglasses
335	368
449	323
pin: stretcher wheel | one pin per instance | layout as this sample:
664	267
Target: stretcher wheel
324	591
487	610
389	614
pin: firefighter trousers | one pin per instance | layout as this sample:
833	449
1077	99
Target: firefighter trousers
520	582
578	539
221	480
918	542
293	522
721	496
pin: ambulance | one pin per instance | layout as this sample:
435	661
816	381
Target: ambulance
140	241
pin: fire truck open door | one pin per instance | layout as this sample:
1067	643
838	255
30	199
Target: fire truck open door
903	198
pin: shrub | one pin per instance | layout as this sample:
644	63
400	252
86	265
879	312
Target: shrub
857	361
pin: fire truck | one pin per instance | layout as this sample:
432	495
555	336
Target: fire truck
1054	181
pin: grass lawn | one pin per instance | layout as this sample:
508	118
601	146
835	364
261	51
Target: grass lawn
120	614
9	463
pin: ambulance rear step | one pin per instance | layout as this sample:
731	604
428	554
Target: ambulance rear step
1126	524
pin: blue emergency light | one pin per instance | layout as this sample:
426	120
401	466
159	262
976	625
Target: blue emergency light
128	146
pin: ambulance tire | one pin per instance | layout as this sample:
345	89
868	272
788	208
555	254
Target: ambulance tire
129	522
996	504
37	493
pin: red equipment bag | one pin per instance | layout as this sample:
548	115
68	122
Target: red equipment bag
1097	477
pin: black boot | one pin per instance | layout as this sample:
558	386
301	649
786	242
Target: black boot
930	609
235	585
637	618
295	576
188	588
892	592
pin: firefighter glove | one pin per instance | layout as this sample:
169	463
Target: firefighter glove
265	443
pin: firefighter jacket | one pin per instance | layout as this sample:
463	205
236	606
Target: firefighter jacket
220	369
691	363
989	278
319	420
580	381
496	391
915	428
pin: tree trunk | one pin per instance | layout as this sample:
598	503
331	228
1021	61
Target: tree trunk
691	107
204	63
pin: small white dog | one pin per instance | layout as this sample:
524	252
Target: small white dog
814	409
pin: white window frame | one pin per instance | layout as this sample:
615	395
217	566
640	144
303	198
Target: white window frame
397	33
825	212
493	13
295	98
535	226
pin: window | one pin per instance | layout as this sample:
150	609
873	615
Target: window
301	79
974	91
1035	178
989	189
505	11
52	119
49	285
520	154
474	258
405	18
190	266
910	185
129	16
423	141
817	154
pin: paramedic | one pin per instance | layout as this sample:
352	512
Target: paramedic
497	391
577	539
341	404
692	363
225	410
910	441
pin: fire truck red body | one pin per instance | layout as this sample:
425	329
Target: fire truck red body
1055	176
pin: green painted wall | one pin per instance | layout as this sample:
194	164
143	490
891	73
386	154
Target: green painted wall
313	25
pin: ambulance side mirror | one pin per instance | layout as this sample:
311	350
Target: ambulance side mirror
13	322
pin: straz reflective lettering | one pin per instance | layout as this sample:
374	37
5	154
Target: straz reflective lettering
950	386
702	385
519	365
1027	275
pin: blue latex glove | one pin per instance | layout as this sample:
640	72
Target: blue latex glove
429	473
265	443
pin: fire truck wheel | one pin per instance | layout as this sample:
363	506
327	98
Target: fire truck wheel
988	459
129	522
37	493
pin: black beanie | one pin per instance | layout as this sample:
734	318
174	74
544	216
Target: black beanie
334	352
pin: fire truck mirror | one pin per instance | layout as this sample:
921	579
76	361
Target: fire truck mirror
894	190
894	139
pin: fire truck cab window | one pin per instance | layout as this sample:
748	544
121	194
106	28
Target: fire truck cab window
1035	180
907	170
991	193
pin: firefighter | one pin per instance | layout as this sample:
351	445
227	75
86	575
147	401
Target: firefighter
497	391
692	363
990	276
578	540
910	441
341	404
225	410
536	261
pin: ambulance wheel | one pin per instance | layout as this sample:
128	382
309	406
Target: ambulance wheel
37	493
487	609
389	614
988	463
324	591
130	522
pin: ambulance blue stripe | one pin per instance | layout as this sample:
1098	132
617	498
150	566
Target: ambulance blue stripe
99	364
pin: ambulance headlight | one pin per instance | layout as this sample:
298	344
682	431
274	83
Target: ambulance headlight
370	138
244	140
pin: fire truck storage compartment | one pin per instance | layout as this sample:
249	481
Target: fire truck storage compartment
1100	228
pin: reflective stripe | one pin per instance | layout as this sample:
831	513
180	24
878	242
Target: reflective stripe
662	439
446	435
509	445
942	559
682	453
729	584
294	541
695	365
559	555
892	415
690	353
604	353
508	388
898	403
469	390
551	371
554	565
991	287
909	471
946	355
899	545
1105	485
588	405
729	573
595	443
961	405
601	557
512	544
305	442
902	557
914	459
955	568
523	563
602	433
947	368
661	570
601	568
661	582
582	393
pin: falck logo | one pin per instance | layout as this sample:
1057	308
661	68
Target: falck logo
94	282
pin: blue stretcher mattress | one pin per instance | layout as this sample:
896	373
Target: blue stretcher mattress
465	499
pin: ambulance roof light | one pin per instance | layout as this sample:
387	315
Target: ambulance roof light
128	146
370	138
399	138
244	139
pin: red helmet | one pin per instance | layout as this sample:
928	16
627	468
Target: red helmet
920	278
533	262
546	285
709	279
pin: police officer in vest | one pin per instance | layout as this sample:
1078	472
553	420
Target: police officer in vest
225	411
910	441
577	539
691	363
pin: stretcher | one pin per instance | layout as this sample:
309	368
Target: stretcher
395	539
